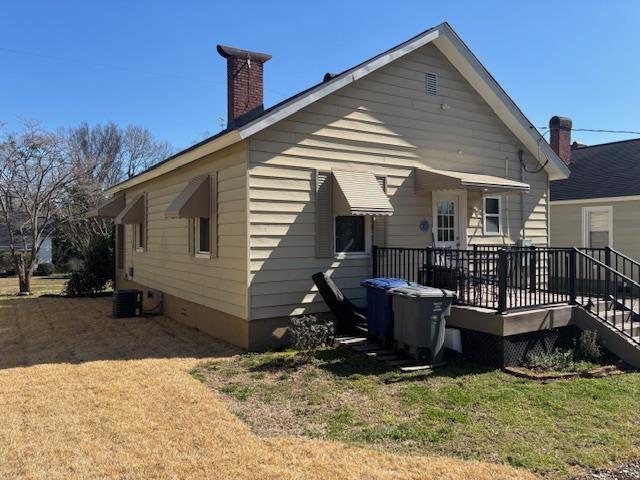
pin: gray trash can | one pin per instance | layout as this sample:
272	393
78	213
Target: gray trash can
419	314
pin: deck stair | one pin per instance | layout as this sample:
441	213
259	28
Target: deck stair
608	303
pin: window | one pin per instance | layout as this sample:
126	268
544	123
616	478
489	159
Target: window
596	227
492	223
351	234
446	222
431	84
140	236
203	236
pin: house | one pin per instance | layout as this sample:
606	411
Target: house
46	252
418	146
599	204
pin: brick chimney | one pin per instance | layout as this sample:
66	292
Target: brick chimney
245	92
560	140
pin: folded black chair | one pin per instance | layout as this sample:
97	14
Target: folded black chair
347	314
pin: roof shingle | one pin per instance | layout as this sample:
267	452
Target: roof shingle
605	170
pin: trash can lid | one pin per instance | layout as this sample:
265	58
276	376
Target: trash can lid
421	291
384	283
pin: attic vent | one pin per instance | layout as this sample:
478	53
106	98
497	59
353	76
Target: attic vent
431	84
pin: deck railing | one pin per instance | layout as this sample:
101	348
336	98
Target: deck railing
491	276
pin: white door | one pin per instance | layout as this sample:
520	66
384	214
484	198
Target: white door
447	225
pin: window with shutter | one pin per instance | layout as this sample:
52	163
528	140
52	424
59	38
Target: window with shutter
596	227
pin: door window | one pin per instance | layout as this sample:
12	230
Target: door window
446	229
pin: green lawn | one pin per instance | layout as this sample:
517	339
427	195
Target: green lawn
554	429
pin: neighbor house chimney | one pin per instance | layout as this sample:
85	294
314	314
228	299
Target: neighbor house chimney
560	140
245	95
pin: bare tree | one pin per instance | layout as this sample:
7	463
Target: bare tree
102	156
34	173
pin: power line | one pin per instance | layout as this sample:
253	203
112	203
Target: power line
597	130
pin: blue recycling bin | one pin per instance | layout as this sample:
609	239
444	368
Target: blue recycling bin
379	309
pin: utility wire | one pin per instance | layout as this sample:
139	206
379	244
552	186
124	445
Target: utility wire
597	130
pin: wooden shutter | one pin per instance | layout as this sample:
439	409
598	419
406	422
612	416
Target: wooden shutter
191	237
380	221
120	246
324	214
145	237
213	215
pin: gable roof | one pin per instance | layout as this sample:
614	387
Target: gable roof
452	47
598	171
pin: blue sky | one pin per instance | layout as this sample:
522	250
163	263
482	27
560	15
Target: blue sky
154	63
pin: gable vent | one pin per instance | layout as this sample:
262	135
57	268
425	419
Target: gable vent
431	84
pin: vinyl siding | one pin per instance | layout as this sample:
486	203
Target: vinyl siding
386	124
166	265
566	225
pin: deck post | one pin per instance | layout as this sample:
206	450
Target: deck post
502	280
607	273
533	265
572	275
428	265
374	257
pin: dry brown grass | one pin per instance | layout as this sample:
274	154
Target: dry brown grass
85	396
53	284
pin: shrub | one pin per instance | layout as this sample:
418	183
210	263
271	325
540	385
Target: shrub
557	361
97	271
308	334
84	284
44	269
7	267
587	348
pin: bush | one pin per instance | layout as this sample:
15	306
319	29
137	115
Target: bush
583	357
587	348
308	334
44	269
7	267
84	284
98	270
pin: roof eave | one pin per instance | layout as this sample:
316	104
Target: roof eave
189	155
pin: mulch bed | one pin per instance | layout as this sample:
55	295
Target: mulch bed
603	371
627	471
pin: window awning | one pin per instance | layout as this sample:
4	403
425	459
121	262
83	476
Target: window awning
428	180
109	209
133	213
359	193
194	201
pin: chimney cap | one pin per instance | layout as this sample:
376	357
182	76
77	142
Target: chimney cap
228	52
560	122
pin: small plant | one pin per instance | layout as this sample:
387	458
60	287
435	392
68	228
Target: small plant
44	269
308	334
558	361
587	348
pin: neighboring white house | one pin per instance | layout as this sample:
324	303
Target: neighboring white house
414	146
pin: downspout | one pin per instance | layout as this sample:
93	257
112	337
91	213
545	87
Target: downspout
521	161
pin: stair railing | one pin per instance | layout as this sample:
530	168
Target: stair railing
607	293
